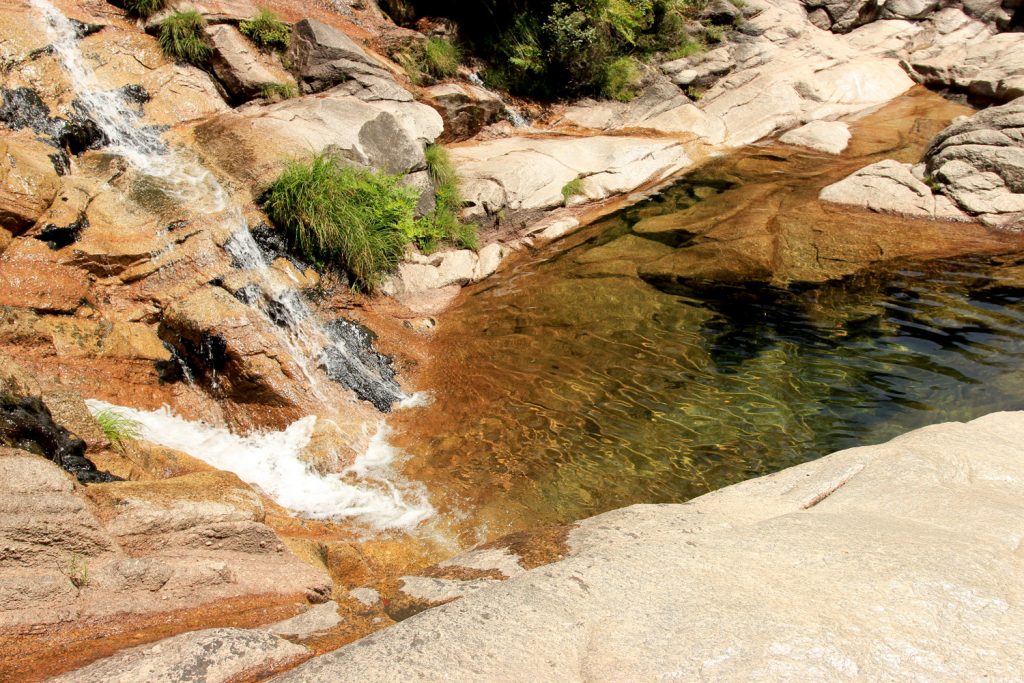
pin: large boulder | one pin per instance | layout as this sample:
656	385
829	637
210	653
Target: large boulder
897	561
979	163
891	187
242	70
529	174
830	137
321	56
466	109
990	68
254	143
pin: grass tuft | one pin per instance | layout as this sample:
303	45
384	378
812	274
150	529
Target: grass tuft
443	224
181	37
572	188
279	91
433	59
119	429
267	31
336	215
143	8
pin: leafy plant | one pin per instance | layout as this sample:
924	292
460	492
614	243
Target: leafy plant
279	91
572	188
623	80
336	215
443	223
181	37
119	428
267	31
143	8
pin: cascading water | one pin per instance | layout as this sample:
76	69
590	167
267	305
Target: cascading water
187	182
513	115
269	460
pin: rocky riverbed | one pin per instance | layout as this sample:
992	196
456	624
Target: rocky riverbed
138	269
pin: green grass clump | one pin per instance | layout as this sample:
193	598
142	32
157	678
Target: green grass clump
685	48
443	224
572	188
432	59
350	218
181	37
623	79
267	31
441	57
279	91
119	429
143	8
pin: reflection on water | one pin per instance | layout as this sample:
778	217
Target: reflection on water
569	385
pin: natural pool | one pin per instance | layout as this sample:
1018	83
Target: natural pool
576	382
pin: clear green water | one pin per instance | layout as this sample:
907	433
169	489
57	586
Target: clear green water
568	385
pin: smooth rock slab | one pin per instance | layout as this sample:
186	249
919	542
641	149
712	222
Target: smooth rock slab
217	655
830	137
892	562
890	187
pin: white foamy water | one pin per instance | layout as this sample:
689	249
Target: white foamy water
363	491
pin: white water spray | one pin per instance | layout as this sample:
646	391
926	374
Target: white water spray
364	491
513	115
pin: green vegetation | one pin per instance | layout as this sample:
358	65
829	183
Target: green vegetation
339	216
267	31
119	429
559	48
431	59
623	79
279	91
359	221
143	8
181	37
443	224
572	188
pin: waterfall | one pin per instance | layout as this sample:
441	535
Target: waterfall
513	115
271	461
191	185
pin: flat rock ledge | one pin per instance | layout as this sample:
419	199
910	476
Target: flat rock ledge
899	561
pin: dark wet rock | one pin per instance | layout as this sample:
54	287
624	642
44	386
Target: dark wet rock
721	13
23	108
353	362
26	424
466	109
60	236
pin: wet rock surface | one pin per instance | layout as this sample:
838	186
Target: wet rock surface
352	361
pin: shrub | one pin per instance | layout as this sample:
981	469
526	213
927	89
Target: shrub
119	429
572	188
143	8
181	37
279	91
267	31
336	215
623	79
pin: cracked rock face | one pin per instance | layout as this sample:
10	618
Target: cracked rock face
979	162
